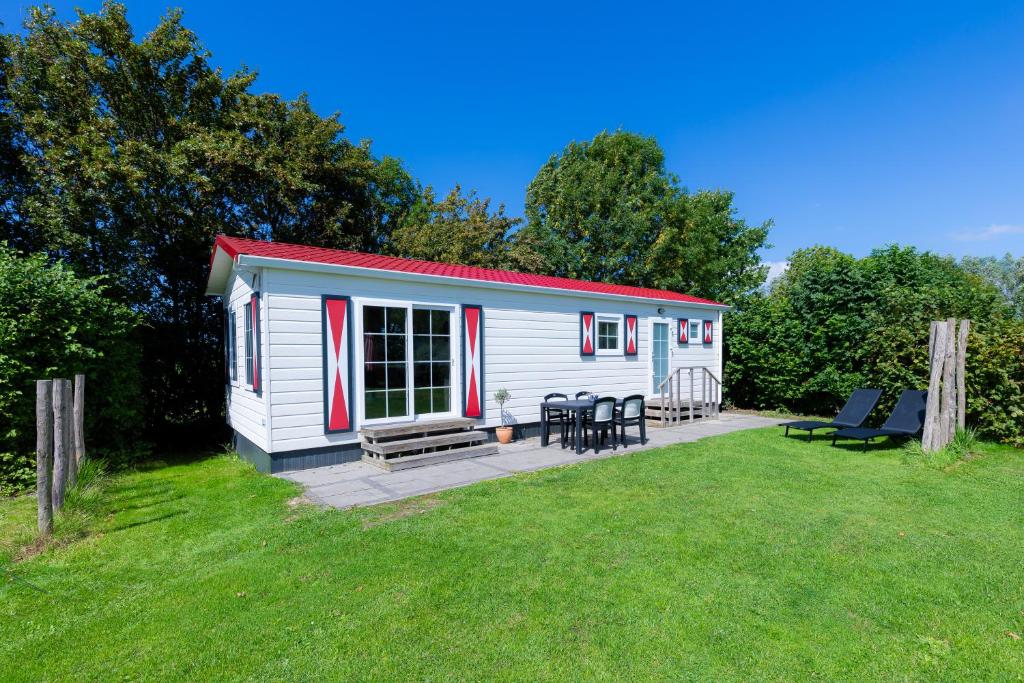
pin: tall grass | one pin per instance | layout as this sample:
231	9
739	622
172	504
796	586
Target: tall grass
963	444
83	503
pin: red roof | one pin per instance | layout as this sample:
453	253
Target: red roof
233	246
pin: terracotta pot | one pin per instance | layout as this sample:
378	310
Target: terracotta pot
504	434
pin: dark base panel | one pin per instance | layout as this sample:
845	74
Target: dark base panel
519	431
250	452
304	459
309	458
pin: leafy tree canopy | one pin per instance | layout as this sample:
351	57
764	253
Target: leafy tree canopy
832	323
462	229
54	324
127	156
1006	274
607	210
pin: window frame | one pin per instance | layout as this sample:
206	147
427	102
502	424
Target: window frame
250	343
618	321
232	342
452	339
455	359
697	338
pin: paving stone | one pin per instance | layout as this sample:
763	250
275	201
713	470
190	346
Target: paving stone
358	483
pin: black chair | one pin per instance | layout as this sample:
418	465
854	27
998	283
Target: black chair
582	394
857	408
906	420
560	417
599	421
632	413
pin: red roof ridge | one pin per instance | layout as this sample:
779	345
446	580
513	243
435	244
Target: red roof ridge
234	246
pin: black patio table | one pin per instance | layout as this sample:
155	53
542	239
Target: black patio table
578	406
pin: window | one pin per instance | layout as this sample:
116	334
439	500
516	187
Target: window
432	366
384	362
607	334
695	337
232	347
248	343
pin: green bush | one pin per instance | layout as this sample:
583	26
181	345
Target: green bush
17	472
833	322
54	324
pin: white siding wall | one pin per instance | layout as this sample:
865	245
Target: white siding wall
246	412
531	347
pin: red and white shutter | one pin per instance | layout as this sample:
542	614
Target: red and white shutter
683	335
336	327
473	361
257	364
708	327
630	349
587	341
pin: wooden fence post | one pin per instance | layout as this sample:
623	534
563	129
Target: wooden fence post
60	445
77	428
69	436
930	439
44	454
931	343
961	374
947	415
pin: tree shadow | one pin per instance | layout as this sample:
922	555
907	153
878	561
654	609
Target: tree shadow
143	522
882	445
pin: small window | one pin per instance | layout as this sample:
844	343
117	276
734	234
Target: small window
607	335
695	337
248	344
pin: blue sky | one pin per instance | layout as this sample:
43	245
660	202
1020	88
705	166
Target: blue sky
849	127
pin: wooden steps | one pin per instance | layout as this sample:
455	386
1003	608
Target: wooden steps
408	461
415	444
675	412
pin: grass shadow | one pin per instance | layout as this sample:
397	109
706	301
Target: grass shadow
144	522
882	445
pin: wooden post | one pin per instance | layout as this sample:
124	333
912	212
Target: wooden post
44	454
931	343
947	414
60	445
78	426
691	395
69	435
930	440
961	374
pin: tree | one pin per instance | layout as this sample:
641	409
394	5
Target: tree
136	153
1006	274
597	208
707	251
462	229
832	322
608	210
54	324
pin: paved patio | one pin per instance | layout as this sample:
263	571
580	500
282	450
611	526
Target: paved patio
358	483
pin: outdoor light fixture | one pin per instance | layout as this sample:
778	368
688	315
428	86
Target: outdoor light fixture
661	311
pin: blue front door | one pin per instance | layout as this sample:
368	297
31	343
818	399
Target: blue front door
659	355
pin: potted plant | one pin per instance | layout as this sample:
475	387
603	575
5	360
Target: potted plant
504	432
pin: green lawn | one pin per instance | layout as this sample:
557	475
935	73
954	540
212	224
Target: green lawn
741	557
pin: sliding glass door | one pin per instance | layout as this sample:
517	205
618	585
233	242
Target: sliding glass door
432	361
407	361
385	366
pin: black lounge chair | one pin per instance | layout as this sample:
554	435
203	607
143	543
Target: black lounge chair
857	408
906	420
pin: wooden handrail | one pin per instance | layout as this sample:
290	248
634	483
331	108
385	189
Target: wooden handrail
710	394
